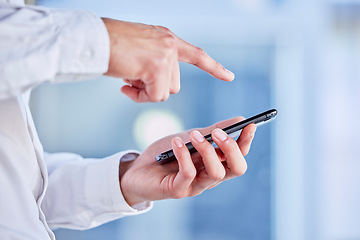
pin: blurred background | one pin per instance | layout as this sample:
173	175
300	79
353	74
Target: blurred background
299	56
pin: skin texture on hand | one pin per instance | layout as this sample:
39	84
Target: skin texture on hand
146	180
147	58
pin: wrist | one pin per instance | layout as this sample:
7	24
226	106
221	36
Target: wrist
123	168
110	25
126	189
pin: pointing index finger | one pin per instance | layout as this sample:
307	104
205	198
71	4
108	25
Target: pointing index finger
198	57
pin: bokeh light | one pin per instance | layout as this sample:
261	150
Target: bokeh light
154	124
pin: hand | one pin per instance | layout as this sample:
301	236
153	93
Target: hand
146	57
146	180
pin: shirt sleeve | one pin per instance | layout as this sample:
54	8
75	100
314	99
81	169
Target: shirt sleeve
40	45
85	193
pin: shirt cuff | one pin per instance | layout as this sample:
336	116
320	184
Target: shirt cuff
84	43
104	192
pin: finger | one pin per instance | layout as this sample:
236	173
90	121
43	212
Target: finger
187	171
213	166
155	91
235	161
135	94
140	95
190	54
245	139
167	80
135	83
175	79
130	92
158	87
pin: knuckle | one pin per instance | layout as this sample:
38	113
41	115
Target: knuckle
166	97
169	42
165	29
200	54
218	175
200	51
241	170
189	174
230	146
175	90
155	98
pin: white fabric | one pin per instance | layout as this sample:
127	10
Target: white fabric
39	190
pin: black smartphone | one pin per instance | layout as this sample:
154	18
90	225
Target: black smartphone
261	118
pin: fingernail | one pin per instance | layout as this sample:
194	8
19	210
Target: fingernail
197	136
220	134
231	74
178	142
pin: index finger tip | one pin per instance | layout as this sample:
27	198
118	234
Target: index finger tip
231	75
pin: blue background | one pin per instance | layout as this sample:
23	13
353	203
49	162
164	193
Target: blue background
301	57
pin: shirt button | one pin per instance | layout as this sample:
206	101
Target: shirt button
86	54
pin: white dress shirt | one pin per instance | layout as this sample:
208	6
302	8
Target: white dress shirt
38	190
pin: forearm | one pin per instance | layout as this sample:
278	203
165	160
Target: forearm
40	45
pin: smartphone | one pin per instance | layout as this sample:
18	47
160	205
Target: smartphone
231	130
